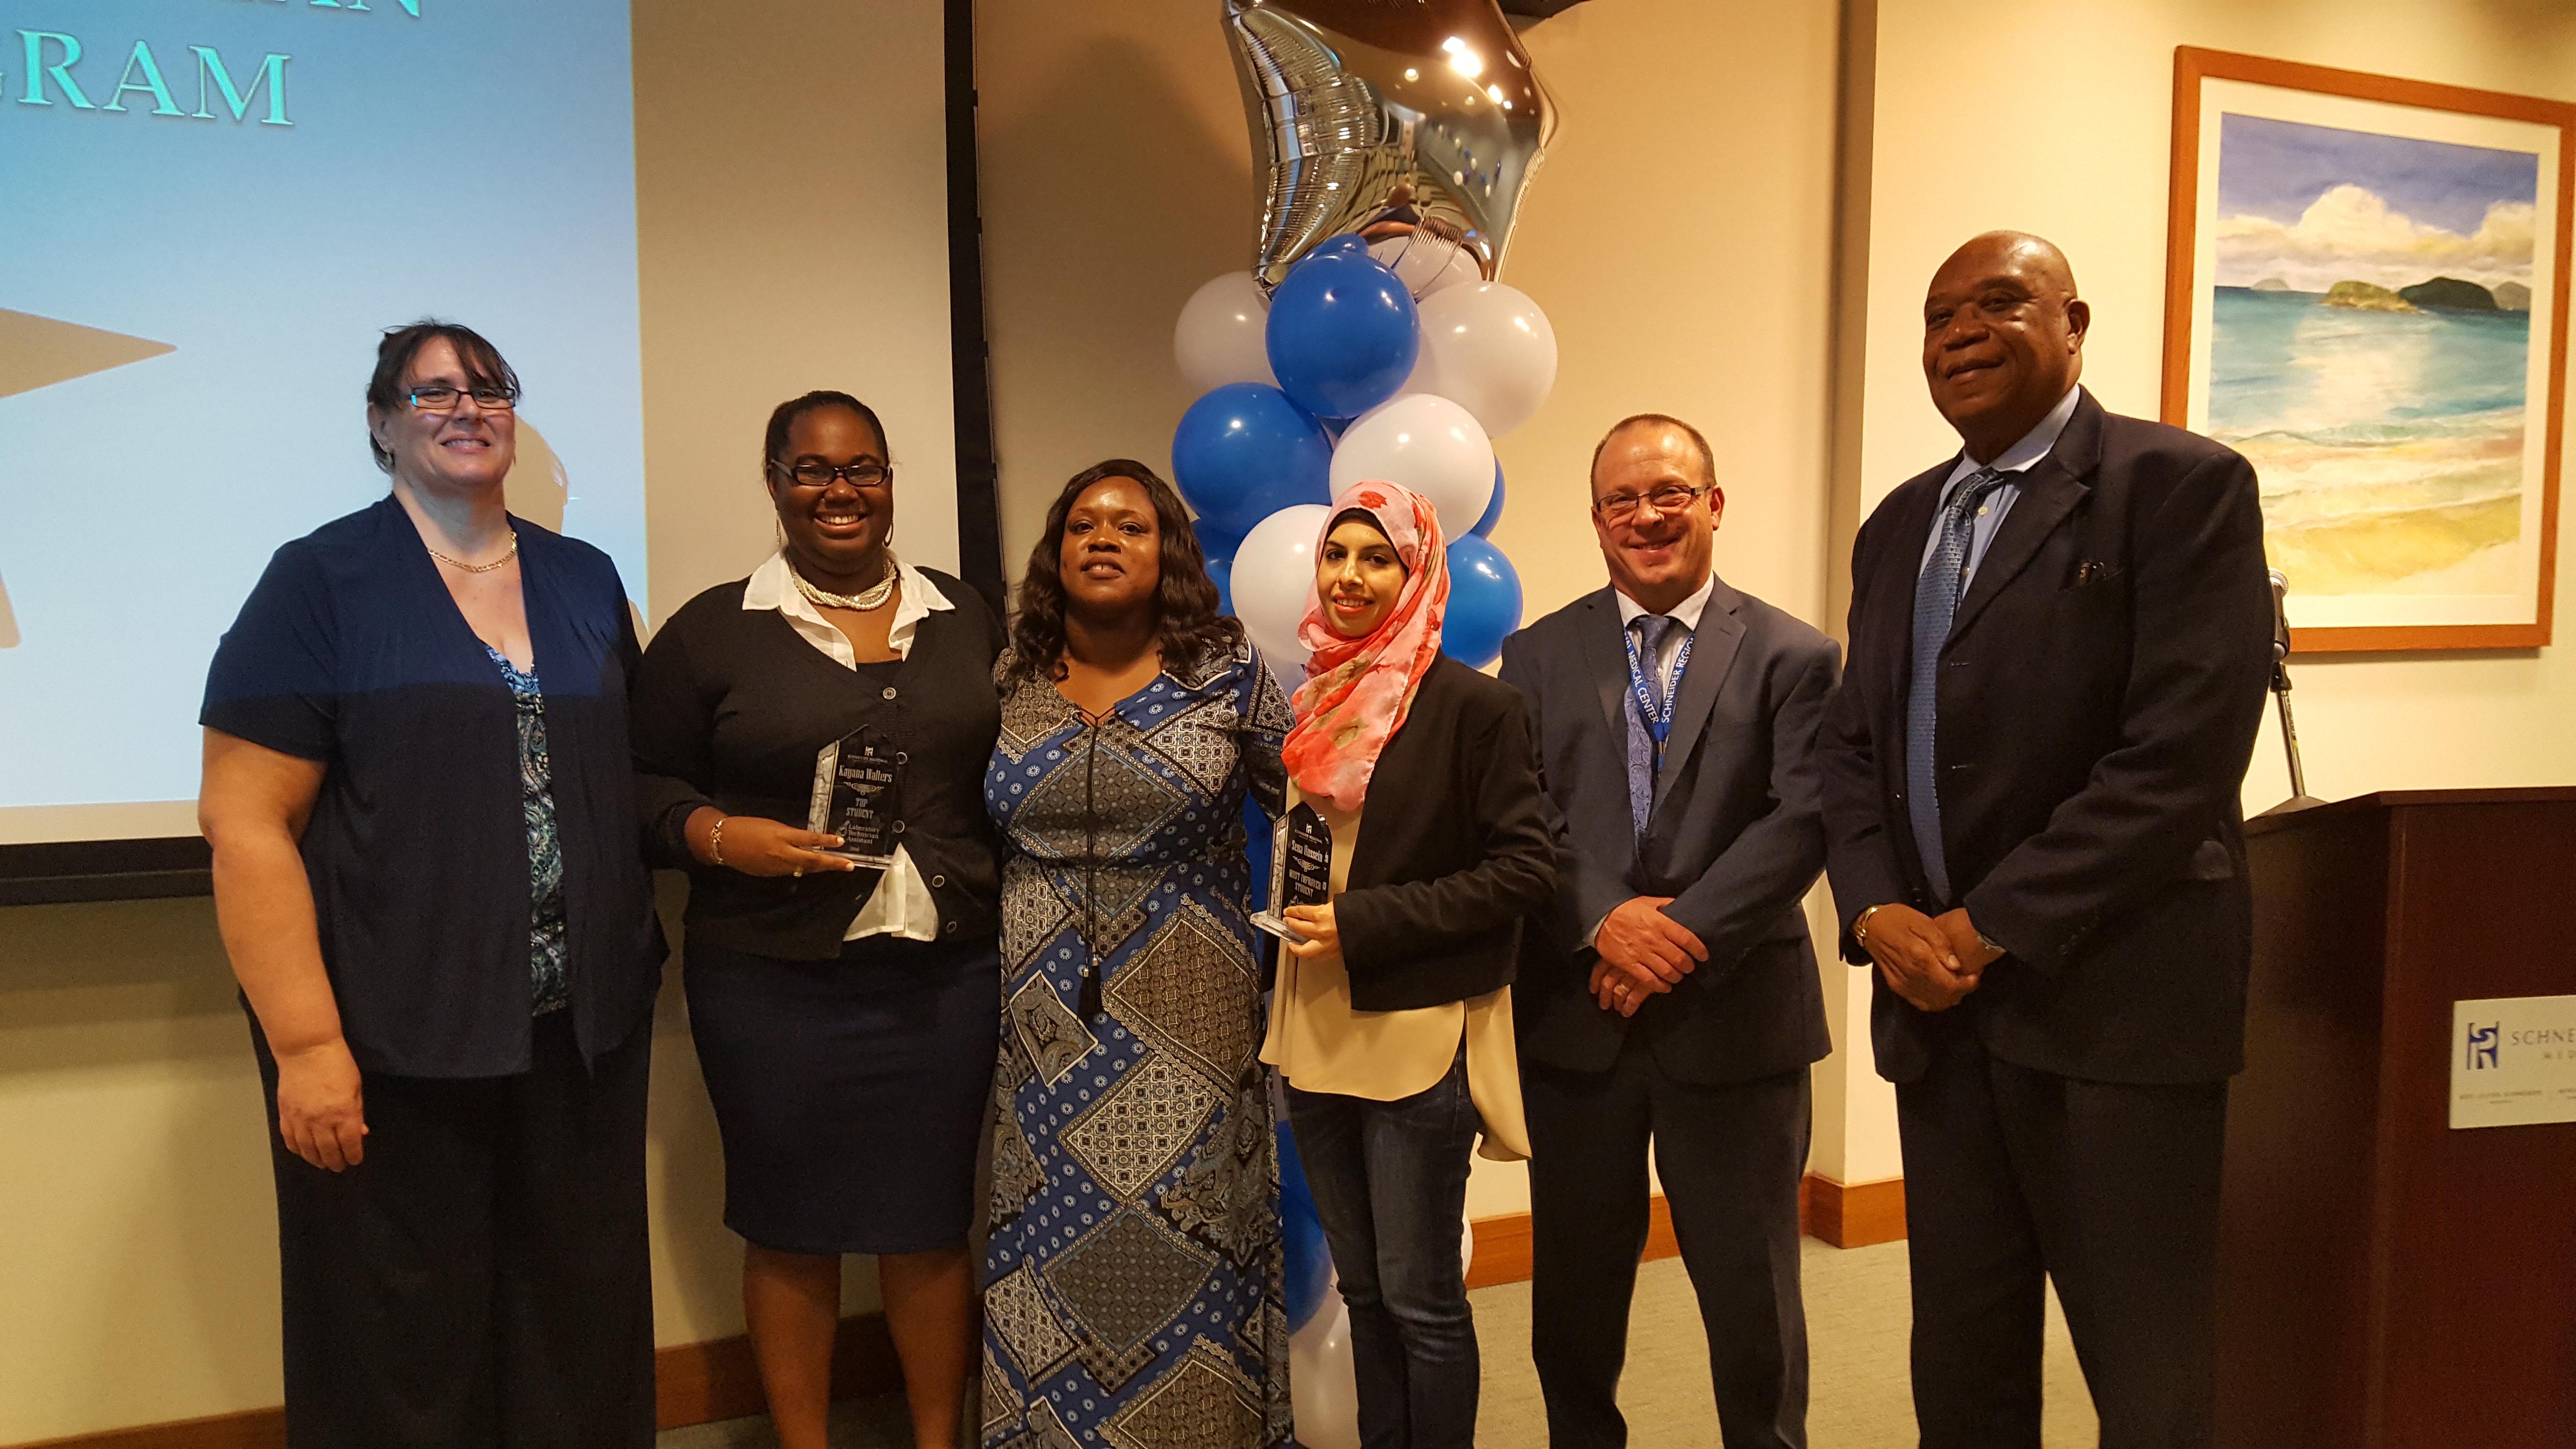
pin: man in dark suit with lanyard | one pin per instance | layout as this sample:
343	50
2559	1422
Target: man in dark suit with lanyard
2059	644
1671	991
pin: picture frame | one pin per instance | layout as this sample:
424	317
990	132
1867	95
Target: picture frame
2406	428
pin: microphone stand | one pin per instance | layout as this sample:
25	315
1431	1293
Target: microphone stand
2299	799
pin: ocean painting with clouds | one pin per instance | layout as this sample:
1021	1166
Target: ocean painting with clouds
2366	295
2370	352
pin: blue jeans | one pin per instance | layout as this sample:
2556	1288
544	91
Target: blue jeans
1390	1184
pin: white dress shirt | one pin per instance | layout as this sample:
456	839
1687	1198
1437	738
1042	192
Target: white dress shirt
901	905
1670	651
2014	461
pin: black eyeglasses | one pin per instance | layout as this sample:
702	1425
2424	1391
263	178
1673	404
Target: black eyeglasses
1672	498
439	399
815	473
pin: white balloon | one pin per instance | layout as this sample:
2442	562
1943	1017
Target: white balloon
1488	348
1221	335
1425	263
1323	1386
1274	576
1466	1247
1427	443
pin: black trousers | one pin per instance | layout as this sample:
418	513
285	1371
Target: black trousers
482	1278
1730	1156
2013	1176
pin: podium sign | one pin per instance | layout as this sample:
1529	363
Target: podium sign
2513	1061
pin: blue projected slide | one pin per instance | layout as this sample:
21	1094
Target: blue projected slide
212	208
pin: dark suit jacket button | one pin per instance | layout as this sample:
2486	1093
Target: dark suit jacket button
950	928
937	881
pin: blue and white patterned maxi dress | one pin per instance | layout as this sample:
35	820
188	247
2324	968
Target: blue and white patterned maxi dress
1132	1284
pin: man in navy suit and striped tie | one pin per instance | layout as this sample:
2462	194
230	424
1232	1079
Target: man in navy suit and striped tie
1671	992
2060	639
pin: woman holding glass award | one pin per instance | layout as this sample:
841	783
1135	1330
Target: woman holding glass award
810	746
1133	1281
1414	795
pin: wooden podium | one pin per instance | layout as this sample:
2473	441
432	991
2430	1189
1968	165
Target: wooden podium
2384	1281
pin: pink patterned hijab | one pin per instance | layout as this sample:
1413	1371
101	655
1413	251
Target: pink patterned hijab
1358	690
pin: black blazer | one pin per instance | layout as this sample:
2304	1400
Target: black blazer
1453	849
731	707
1735	838
2098	701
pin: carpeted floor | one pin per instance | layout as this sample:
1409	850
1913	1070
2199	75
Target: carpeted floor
1856	1328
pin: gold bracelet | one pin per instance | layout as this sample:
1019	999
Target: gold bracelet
1860	925
715	839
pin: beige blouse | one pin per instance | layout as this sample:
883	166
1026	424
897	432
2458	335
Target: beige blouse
1321	1043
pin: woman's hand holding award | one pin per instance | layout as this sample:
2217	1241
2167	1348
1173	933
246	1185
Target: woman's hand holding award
858	787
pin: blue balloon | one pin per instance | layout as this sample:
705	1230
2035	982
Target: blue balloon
1243	452
1348	244
1493	511
1220	567
1301	1234
1343	334
1484	602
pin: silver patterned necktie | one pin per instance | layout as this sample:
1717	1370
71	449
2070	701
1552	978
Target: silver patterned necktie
1936	604
1645	756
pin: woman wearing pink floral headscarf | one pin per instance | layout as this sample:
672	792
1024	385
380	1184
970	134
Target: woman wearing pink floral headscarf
1392	1021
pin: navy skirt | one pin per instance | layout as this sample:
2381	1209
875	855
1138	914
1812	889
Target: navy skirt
850	1093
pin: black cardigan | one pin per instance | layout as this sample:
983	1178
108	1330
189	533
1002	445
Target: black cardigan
731	706
1453	849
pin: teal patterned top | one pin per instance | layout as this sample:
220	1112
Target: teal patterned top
552	989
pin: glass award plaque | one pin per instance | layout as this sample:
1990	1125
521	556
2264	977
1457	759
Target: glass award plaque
857	782
1301	869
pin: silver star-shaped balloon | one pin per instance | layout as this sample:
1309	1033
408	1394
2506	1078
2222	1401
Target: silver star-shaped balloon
1387	117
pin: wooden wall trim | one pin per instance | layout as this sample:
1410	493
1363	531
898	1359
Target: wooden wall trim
252	1429
1854	1215
699	1383
693	1383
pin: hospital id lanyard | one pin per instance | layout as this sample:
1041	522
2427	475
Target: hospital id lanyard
1659	723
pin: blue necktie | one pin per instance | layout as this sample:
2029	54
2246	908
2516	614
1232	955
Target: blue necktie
1651	631
1936	603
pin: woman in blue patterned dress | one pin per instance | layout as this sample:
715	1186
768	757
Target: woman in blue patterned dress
1132	1284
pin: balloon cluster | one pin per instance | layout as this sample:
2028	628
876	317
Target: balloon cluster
1389	361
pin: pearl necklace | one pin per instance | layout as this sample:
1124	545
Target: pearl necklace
507	555
871	597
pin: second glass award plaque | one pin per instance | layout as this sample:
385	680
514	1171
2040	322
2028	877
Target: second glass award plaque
1301	869
857	781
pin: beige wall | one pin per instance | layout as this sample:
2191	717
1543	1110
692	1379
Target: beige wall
139	1280
1116	178
791	190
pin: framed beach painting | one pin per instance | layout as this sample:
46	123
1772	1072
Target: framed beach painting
2366	295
